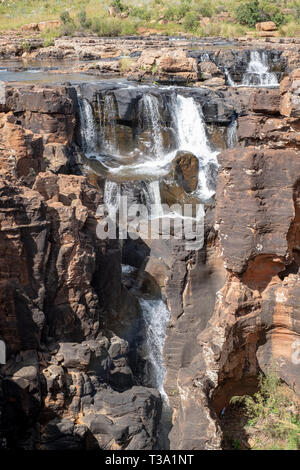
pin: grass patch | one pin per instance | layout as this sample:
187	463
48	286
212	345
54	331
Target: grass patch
126	64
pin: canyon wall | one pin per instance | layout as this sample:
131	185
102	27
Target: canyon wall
71	326
254	324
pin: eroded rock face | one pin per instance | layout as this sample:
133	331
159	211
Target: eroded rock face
255	318
67	320
54	316
72	326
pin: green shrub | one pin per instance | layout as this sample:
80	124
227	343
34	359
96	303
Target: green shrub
118	5
249	13
273	411
254	12
291	30
107	26
271	12
49	35
65	17
175	12
129	26
191	22
83	20
141	12
205	8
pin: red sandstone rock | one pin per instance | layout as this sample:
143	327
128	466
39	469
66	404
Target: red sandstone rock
266	26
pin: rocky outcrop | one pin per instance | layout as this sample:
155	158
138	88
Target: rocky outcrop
36	130
73	328
68	322
254	323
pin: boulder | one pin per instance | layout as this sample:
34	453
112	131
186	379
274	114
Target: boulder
177	65
208	70
46	25
214	82
266	26
186	168
30	27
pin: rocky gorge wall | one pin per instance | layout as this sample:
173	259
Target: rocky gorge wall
72	378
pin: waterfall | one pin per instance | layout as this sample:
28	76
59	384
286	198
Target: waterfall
108	125
149	119
112	195
230	81
153	161
258	73
191	136
204	57
156	316
232	133
88	131
151	193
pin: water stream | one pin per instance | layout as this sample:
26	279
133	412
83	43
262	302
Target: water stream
257	74
156	316
150	161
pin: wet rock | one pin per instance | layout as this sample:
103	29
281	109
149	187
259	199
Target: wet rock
186	168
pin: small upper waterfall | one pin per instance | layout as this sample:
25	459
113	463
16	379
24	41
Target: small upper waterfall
258	73
112	194
156	316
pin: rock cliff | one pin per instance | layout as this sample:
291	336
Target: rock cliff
73	326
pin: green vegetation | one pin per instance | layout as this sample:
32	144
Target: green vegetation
254	12
273	415
126	17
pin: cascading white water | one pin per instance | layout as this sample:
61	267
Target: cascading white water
191	136
149	117
156	316
230	81
258	73
232	133
87	128
112	195
153	199
108	125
